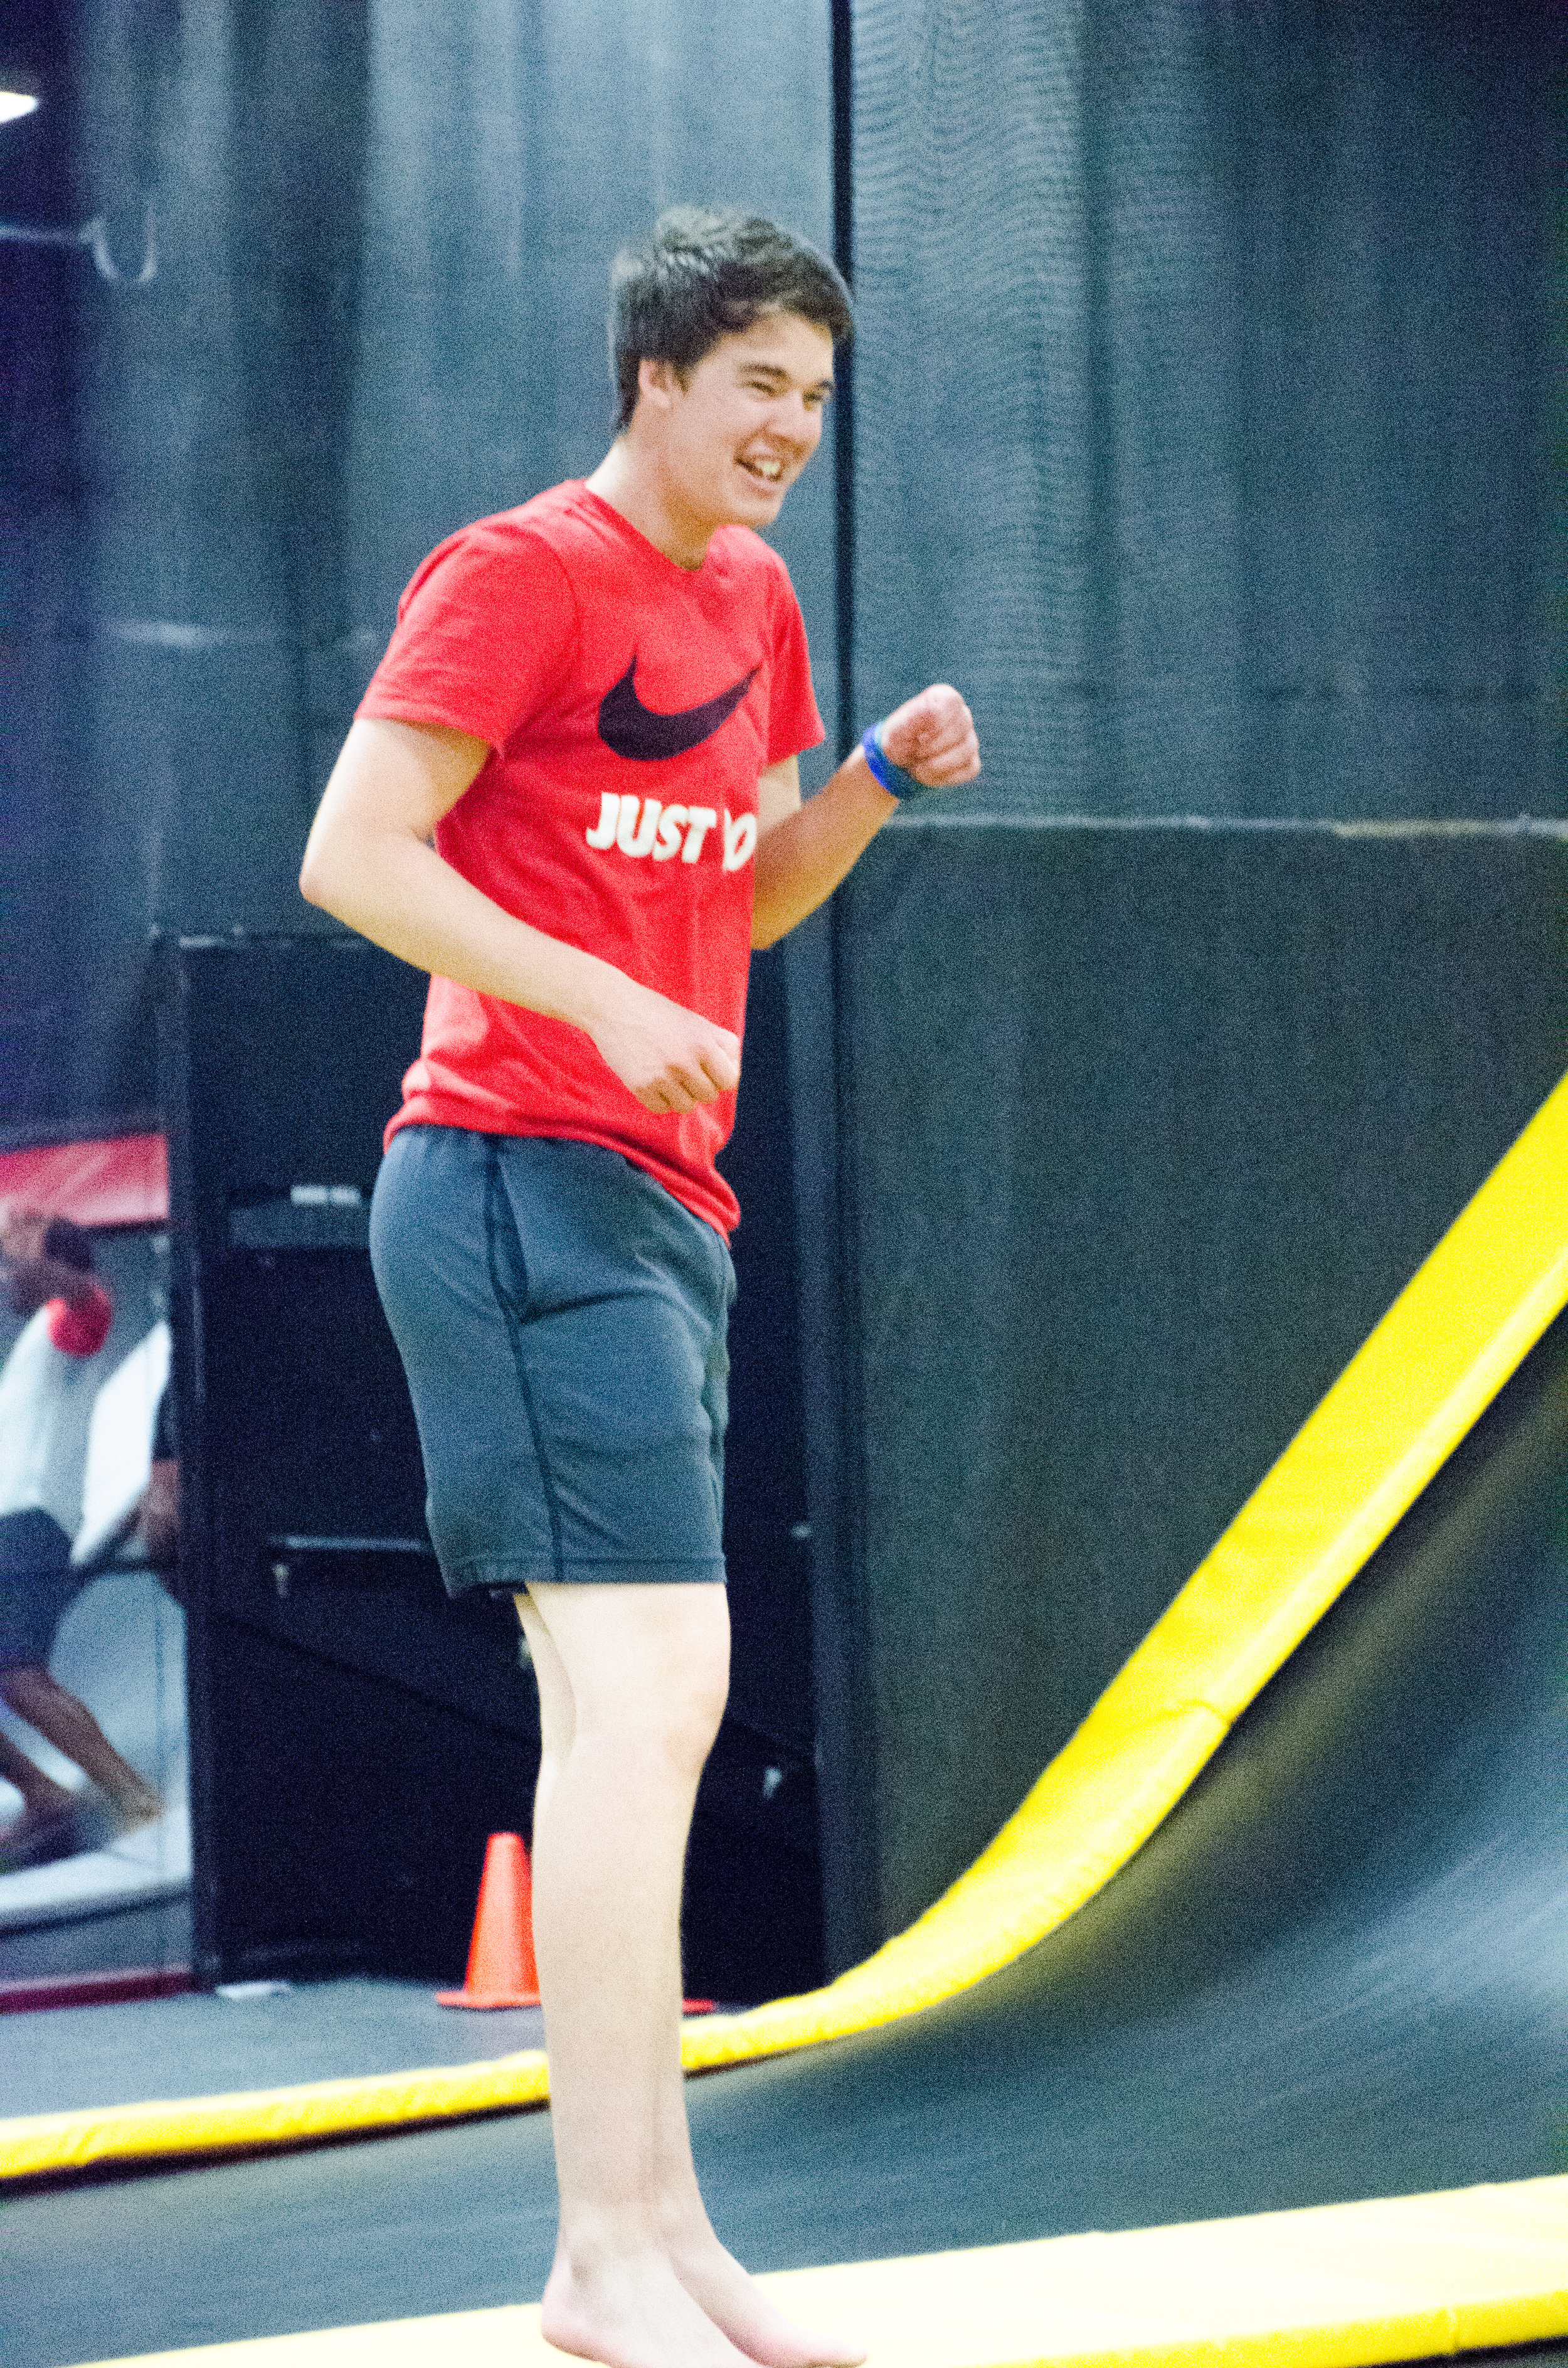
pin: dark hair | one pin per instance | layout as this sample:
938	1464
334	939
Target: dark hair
704	275
69	1244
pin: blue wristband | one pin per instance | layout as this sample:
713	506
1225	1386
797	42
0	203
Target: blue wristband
893	778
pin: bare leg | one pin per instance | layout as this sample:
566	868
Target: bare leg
44	1803
714	2277
70	1725
632	1688
631	1685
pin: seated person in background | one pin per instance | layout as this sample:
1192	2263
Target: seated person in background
47	1389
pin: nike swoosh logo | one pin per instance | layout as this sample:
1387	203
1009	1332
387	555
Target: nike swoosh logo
632	730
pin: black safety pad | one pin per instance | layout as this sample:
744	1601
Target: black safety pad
1145	1128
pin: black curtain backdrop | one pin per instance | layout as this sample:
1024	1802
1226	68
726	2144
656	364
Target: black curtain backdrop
1201	436
382	234
1201	420
1200	433
1203	383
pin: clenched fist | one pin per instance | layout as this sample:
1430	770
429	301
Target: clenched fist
672	1059
933	736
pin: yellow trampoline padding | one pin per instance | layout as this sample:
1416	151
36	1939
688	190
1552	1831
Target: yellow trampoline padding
1459	1329
34	2143
1463	1324
1346	2285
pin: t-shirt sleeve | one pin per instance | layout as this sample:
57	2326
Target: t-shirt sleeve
487	625
793	722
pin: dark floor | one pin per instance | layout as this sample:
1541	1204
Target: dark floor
201	2045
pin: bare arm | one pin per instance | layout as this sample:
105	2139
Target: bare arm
370	863
803	851
157	1518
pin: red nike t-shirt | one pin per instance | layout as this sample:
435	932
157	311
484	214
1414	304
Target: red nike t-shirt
630	706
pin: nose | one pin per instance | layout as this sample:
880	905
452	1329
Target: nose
796	419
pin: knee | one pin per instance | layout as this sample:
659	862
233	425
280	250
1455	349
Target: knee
676	1730
671	1725
647	1670
697	1716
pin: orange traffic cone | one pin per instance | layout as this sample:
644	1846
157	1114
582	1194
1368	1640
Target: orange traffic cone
501	1969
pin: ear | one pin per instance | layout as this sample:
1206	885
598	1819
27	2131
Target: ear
657	382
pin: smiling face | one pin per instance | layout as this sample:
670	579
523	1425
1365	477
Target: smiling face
725	445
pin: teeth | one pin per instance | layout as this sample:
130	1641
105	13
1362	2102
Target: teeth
766	468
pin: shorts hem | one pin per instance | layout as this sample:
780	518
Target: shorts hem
508	1575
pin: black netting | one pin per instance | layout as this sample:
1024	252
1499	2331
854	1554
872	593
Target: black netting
382	240
1202	398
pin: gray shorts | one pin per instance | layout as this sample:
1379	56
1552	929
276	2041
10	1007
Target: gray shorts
561	1321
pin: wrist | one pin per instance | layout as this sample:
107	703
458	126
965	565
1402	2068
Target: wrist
606	997
570	984
892	777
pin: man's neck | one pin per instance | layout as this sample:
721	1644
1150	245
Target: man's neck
625	480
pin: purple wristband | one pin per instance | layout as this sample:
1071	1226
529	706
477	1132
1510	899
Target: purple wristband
893	778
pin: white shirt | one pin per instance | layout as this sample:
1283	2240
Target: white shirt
46	1413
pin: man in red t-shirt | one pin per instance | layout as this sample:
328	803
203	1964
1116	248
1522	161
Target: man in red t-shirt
572	795
630	706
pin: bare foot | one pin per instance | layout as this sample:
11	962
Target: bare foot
139	1808
632	2314
734	2302
44	1832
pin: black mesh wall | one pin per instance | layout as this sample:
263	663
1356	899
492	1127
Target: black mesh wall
381	237
1202	397
372	308
1201	437
1125	1202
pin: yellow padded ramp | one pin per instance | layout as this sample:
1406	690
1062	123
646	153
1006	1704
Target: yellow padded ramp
1345	2286
1434	1363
